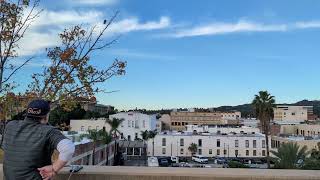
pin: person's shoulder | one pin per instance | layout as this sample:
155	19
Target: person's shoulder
13	122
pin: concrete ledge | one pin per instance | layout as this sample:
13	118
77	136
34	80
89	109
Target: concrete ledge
152	173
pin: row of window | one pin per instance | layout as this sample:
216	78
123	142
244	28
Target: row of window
236	152
89	128
236	143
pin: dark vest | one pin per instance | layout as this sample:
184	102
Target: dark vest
26	148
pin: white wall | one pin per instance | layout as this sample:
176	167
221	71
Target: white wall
227	142
215	129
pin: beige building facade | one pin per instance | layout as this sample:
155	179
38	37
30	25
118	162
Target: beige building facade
287	114
179	120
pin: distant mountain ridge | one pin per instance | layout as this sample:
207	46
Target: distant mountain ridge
248	111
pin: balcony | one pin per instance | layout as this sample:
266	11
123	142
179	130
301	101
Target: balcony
147	173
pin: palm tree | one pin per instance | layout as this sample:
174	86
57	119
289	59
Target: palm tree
114	124
106	139
145	137
94	135
289	155
193	148
264	104
152	135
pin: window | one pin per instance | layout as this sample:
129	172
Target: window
181	142
247	143
218	142
210	151
129	138
181	151
218	152
163	141
263	152
236	153
172	124
247	152
254	143
236	143
293	114
263	143
163	150
224	151
199	142
132	123
89	127
200	151
129	124
82	128
136	136
254	152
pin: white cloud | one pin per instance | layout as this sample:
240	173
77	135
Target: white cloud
44	30
225	28
133	24
308	24
95	2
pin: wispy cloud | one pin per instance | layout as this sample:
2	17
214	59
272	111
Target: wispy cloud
242	26
141	55
226	28
44	31
308	24
95	2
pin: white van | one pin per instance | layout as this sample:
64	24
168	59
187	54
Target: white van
200	159
153	162
174	159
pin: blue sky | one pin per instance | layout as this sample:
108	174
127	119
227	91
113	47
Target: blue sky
194	53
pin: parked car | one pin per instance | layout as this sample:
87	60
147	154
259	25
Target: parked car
163	162
220	160
153	162
200	159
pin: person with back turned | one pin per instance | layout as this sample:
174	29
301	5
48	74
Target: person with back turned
28	146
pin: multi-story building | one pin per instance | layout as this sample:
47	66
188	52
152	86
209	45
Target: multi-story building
209	144
302	134
180	119
290	114
134	123
166	121
221	129
131	127
99	108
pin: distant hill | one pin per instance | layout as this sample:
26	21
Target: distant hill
248	111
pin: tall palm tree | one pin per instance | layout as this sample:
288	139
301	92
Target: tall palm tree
289	154
152	135
145	137
106	139
264	103
193	148
114	124
94	135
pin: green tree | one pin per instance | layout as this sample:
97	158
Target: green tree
145	137
152	135
106	138
313	162
193	148
289	155
264	104
95	136
115	123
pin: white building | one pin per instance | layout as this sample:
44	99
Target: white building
209	144
292	114
134	123
221	129
130	128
